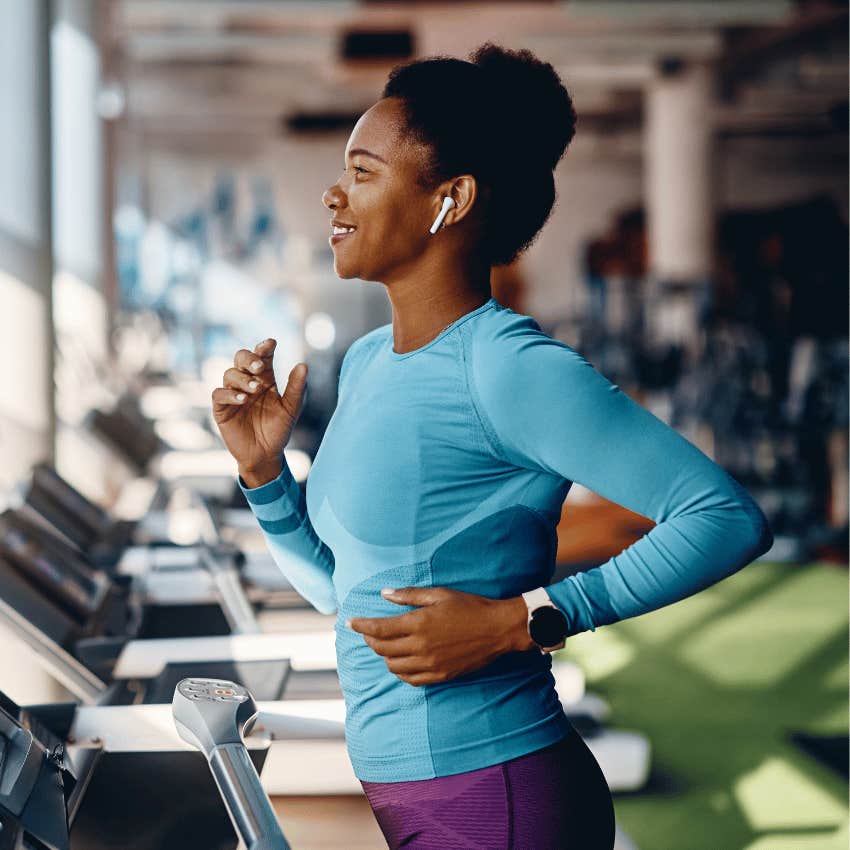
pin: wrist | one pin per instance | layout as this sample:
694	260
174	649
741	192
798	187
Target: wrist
256	476
516	625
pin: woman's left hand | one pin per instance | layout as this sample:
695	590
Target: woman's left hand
450	634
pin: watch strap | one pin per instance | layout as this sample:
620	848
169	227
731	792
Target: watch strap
536	598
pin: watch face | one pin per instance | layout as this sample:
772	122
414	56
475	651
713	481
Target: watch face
548	626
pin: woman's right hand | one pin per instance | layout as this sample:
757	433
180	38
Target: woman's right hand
254	420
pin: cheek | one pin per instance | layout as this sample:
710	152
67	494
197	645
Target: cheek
392	201
403	217
391	217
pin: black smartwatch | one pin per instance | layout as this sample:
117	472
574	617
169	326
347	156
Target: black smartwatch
547	624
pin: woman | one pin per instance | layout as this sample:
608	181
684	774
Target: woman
458	431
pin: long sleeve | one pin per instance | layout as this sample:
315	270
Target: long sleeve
544	407
280	507
308	564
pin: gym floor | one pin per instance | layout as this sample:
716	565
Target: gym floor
717	682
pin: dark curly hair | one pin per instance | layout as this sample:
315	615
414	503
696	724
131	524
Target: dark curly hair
504	117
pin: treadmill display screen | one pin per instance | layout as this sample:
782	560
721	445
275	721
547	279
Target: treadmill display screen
66	579
59	490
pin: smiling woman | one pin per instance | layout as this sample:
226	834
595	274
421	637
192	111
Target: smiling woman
429	521
379	210
483	133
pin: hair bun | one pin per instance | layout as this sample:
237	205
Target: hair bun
535	109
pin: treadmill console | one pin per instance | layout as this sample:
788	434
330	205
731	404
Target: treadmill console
53	567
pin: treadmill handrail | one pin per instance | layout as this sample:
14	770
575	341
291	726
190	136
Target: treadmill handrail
247	803
231	595
145	659
80	681
213	715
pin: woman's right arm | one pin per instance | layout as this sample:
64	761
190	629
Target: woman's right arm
256	422
308	564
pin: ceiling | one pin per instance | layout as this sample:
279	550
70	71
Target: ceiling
262	67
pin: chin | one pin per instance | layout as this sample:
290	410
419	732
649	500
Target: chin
347	272
341	270
343	273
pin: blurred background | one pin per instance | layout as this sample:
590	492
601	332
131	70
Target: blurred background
161	172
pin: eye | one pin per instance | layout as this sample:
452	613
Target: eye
361	169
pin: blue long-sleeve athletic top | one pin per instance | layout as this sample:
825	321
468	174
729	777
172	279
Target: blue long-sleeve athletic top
447	466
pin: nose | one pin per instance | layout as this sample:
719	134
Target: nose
334	197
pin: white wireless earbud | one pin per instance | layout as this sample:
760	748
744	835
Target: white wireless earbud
448	203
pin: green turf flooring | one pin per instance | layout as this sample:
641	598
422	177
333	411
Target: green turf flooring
717	682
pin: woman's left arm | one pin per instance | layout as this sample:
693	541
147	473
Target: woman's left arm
569	420
544	407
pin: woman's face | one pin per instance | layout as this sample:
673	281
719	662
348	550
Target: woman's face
378	195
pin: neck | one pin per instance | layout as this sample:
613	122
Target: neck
424	304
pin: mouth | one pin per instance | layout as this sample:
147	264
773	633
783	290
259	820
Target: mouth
340	232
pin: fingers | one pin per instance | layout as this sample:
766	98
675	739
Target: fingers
265	348
292	398
384	628
417	671
257	361
250	376
252	371
408	666
236	379
417	595
223	397
400	648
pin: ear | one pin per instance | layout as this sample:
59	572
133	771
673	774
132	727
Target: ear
464	191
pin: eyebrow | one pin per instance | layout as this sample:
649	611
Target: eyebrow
364	152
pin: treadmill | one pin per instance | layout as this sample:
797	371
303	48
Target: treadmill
138	548
136	624
87	631
68	576
137	790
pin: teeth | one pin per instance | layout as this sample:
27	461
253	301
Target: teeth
343	230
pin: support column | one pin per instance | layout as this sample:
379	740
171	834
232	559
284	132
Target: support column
679	198
26	338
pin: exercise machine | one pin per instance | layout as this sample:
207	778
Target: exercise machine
133	787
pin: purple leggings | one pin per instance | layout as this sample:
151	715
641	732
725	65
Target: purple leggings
552	799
